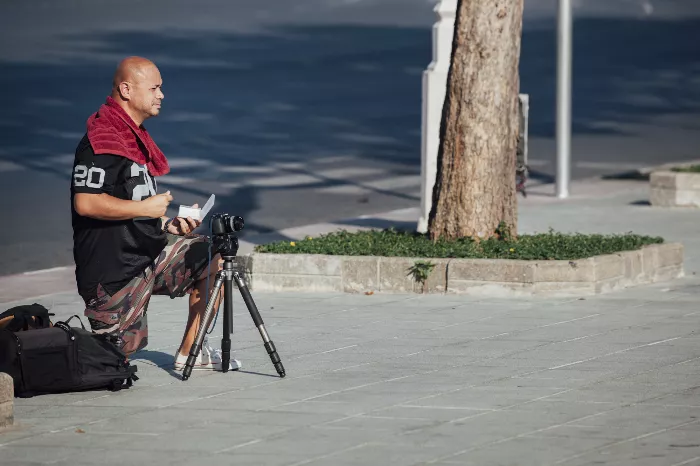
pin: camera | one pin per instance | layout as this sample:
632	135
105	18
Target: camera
223	224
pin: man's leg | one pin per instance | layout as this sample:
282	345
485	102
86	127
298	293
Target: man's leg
198	305
185	270
122	316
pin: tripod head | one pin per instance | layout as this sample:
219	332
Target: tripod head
224	240
226	245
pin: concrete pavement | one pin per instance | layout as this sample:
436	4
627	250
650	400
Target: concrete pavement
414	379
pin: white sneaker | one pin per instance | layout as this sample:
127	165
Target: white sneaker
207	359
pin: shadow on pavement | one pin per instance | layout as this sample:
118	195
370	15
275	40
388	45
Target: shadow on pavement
156	358
378	223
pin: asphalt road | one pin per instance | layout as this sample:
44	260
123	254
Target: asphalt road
301	112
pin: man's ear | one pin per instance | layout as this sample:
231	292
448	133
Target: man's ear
125	90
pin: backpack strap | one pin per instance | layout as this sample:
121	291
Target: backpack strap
71	318
128	379
131	378
27	316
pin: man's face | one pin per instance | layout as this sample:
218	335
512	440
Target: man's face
145	92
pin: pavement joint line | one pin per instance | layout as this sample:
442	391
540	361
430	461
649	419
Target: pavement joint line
330	455
583	337
400	418
505	408
335	392
516	332
615	352
43	271
89	399
456	324
507	439
663	405
534	328
360	307
620	442
570	320
240	445
682	463
39	296
337	349
449	408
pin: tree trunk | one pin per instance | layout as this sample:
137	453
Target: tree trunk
475	183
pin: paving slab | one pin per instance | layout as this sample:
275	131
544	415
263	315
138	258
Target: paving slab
406	380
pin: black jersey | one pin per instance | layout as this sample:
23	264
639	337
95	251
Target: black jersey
110	253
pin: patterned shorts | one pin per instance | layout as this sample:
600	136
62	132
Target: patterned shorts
174	272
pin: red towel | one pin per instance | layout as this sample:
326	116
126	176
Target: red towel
112	131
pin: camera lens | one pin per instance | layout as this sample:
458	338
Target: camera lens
237	223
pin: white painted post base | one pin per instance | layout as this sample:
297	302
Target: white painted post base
434	88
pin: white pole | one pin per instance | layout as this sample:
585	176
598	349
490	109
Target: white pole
434	89
564	60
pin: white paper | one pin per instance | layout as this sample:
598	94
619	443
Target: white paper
207	207
195	213
187	211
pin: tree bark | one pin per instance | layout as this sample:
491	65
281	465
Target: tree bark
475	186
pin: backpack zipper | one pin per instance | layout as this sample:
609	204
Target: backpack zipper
66	329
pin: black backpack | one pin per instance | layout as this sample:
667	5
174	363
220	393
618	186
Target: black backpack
63	359
26	317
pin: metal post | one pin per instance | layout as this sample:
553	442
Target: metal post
564	46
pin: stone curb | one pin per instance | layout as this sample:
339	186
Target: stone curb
674	189
7	398
486	277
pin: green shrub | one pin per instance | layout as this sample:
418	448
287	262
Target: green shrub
391	242
690	169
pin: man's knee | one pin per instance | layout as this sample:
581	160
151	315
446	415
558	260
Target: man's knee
218	262
211	269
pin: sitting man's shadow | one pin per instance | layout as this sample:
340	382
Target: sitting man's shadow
159	359
166	362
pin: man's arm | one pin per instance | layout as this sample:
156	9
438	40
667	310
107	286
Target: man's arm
105	207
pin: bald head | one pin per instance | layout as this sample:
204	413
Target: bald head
136	86
131	69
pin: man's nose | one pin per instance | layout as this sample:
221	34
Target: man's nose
160	94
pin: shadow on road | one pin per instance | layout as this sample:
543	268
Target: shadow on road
624	71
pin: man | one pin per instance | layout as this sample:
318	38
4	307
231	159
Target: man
125	248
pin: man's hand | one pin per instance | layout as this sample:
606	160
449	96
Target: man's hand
156	206
183	226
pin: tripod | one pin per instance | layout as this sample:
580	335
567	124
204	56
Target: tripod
228	247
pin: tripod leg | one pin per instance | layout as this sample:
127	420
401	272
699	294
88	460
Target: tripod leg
203	325
228	318
252	308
